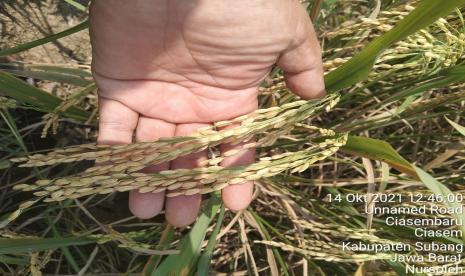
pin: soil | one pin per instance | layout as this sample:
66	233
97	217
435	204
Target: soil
27	20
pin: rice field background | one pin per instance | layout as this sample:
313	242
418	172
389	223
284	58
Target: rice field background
392	123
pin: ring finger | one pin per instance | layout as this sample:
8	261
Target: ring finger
148	205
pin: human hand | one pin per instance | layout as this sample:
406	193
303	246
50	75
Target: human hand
167	68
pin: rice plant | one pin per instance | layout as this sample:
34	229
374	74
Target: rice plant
391	124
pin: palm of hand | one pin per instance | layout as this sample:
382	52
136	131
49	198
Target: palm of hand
166	69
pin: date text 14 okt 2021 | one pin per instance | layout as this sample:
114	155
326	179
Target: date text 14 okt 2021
395	198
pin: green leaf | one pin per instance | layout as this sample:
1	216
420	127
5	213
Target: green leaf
415	111
11	246
13	260
443	79
458	127
378	150
22	92
38	42
204	263
72	76
358	67
66	252
407	102
439	189
262	224
4	164
76	5
184	262
165	240
399	268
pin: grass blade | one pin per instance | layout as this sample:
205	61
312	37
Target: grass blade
26	46
72	76
65	250
12	260
378	150
458	127
204	263
165	240
439	189
261	224
183	263
443	79
76	5
41	100
11	246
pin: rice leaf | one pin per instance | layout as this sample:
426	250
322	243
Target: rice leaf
29	45
441	190
22	92
13	260
458	127
184	262
73	76
76	5
358	67
443	79
204	263
378	150
11	246
399	268
165	240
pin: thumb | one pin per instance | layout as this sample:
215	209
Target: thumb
302	64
